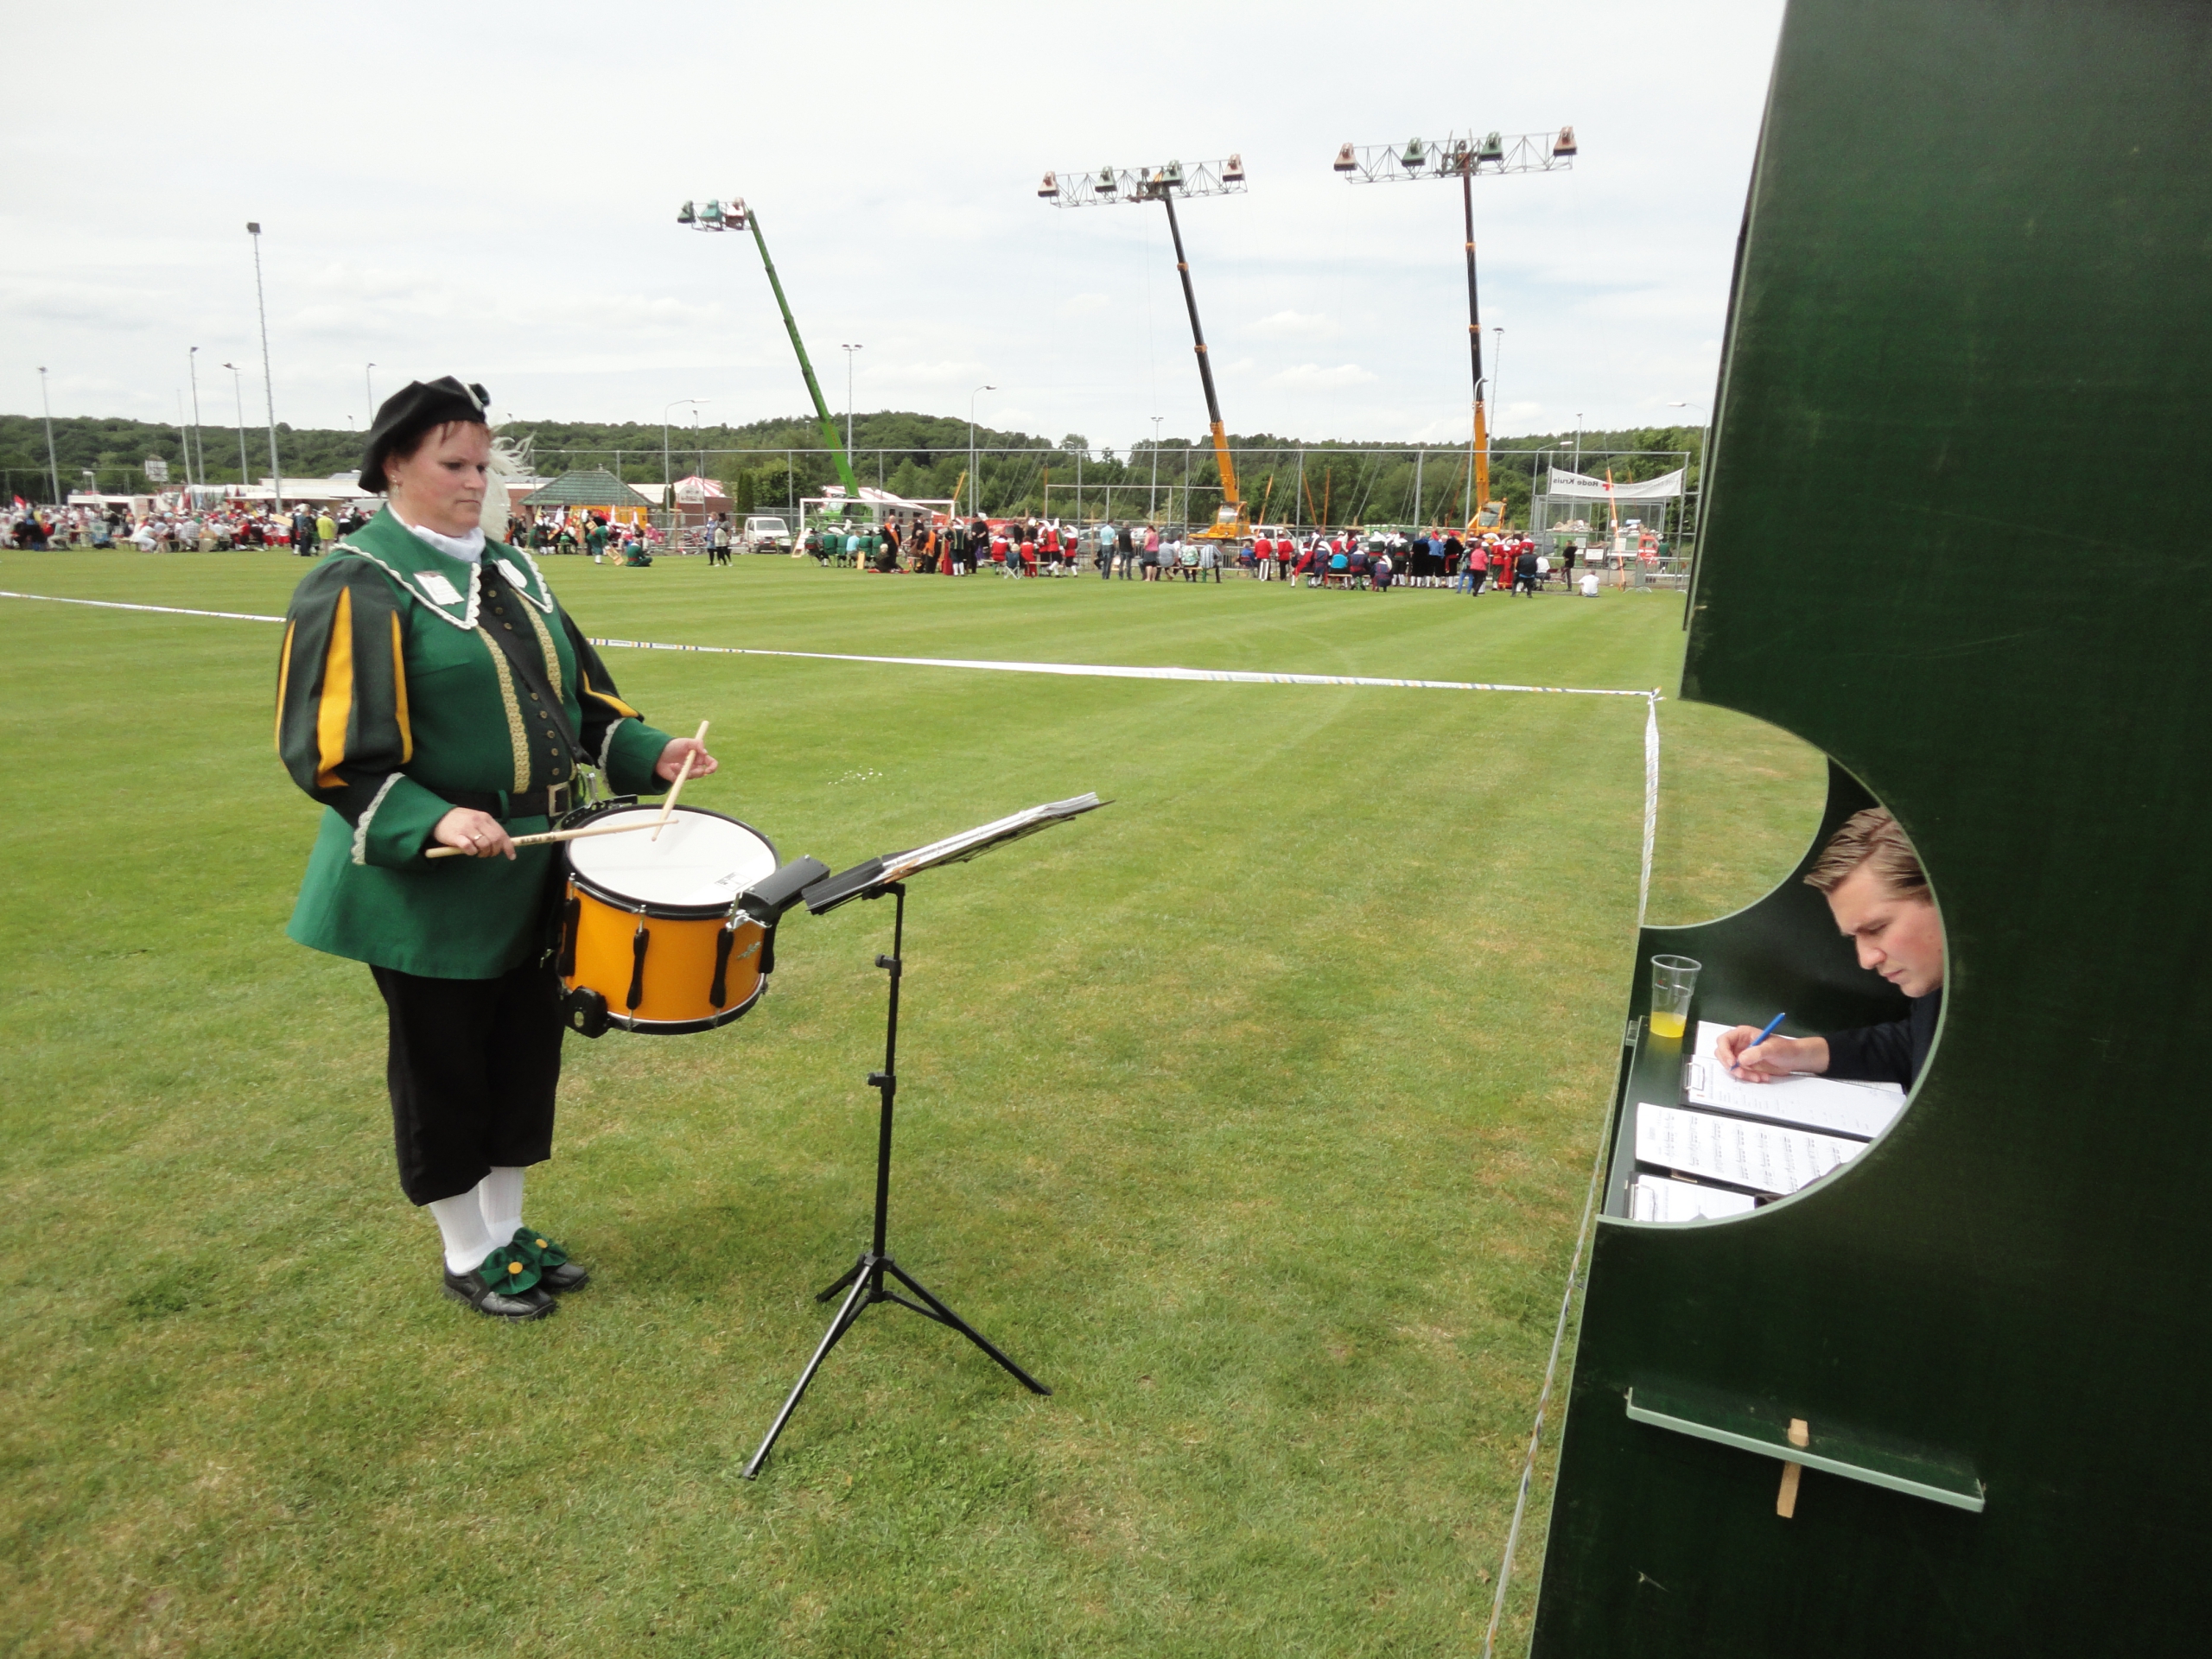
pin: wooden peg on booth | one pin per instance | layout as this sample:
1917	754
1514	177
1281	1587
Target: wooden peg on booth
1785	1502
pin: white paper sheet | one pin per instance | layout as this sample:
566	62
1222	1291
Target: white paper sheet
1654	1198
1765	1157
1864	1109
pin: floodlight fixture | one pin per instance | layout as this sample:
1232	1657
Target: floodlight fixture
1108	185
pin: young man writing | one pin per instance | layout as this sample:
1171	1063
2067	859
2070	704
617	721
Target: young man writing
1879	895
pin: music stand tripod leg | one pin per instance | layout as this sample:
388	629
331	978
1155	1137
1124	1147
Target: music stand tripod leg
848	1315
946	1316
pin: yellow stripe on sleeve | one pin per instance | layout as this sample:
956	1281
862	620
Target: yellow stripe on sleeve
283	679
588	690
337	704
399	692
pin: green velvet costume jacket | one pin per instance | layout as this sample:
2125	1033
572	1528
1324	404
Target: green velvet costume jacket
389	691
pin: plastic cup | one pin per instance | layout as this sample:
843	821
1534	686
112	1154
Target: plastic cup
1673	980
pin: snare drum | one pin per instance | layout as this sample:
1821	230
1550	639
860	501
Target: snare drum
651	935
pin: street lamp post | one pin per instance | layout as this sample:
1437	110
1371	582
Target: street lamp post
238	398
1497	356
199	443
1152	500
1704	451
267	385
849	351
53	465
974	503
667	478
368	381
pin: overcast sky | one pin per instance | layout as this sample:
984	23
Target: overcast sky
490	190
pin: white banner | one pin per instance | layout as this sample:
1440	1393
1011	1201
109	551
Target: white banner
1563	485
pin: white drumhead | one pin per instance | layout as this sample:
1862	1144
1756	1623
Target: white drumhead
698	860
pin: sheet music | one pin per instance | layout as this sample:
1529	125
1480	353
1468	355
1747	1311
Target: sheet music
954	849
1765	1157
1863	1110
1654	1198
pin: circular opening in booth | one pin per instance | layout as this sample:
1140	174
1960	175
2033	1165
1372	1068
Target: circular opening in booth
1813	1014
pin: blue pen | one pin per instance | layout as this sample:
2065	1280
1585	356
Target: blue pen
1764	1035
1768	1033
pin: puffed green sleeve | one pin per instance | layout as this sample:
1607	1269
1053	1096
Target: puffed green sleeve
342	727
615	735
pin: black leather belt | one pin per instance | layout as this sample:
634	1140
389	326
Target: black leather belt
549	801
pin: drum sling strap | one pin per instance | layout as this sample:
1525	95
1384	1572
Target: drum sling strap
529	665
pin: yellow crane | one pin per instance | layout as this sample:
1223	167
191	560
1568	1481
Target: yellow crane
1162	185
1465	158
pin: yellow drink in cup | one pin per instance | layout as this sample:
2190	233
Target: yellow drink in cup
1673	980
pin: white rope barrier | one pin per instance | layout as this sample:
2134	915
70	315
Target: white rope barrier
165	610
1111	671
1095	670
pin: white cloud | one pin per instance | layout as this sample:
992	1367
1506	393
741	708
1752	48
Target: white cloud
1085	305
1293	325
1313	375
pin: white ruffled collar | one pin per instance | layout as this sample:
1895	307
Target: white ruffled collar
468	549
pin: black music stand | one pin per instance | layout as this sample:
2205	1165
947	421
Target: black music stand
863	1282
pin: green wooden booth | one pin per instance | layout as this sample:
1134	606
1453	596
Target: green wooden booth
1974	283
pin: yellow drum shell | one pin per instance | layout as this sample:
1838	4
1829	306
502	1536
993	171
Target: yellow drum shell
679	965
680	888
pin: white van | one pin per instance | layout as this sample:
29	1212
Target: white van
764	535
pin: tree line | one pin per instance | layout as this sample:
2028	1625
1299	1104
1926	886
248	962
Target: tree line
911	454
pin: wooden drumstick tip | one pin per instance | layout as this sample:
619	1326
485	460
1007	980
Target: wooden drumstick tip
668	806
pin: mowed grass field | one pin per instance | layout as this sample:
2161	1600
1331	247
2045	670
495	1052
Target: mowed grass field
1253	1113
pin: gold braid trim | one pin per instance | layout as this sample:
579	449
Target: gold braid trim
517	737
552	656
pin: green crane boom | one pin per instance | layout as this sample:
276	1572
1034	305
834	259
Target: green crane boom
813	386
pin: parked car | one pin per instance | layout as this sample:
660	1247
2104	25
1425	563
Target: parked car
764	534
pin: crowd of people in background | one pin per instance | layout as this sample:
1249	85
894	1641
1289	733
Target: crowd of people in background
304	529
914	541
1372	561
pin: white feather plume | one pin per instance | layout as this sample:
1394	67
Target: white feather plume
509	461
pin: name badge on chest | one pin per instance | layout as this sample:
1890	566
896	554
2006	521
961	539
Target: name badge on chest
437	589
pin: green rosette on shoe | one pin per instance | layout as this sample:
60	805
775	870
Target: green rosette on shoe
508	1271
536	1249
555	1272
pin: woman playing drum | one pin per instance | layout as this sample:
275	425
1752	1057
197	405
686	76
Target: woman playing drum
432	692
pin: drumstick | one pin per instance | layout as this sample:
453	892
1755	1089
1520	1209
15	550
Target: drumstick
543	836
677	788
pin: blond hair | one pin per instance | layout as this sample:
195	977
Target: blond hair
1870	840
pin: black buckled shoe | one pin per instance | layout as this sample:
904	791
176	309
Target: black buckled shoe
503	1286
555	1271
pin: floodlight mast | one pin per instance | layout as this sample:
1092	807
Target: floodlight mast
1109	185
1464	158
738	217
